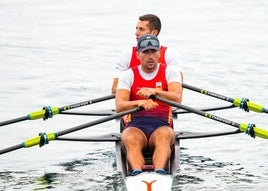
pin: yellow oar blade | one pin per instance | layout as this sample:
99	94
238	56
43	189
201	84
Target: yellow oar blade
42	113
243	103
44	138
48	111
40	140
256	107
251	129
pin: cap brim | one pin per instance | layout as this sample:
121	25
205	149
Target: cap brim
148	48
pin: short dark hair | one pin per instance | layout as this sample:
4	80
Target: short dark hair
154	22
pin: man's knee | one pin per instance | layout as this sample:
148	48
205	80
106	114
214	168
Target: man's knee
132	137
163	135
164	132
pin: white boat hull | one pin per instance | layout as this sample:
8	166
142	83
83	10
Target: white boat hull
149	181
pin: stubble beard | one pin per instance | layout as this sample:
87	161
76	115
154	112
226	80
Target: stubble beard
149	67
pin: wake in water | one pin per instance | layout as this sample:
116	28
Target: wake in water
202	173
97	171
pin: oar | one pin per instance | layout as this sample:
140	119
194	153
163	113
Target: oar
48	112
242	103
112	111
44	138
248	128
115	137
205	109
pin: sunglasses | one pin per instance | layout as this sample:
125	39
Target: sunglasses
149	42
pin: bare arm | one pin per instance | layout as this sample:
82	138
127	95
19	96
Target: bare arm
114	86
122	64
174	92
122	102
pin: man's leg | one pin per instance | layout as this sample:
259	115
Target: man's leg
161	141
134	140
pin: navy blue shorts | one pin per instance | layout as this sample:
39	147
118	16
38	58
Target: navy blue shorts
148	124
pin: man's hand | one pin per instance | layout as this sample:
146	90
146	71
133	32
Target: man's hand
148	104
146	92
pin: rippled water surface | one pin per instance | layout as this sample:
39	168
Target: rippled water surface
63	52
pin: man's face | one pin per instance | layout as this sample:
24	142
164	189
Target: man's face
142	28
148	59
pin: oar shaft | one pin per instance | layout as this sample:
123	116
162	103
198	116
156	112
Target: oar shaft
206	92
111	111
205	109
29	143
7	122
12	148
199	112
102	120
84	103
238	102
52	136
242	127
55	110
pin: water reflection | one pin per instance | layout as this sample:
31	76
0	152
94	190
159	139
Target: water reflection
28	180
203	173
47	181
98	171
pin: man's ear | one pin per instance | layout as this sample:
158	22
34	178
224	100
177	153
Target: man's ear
159	53
138	55
154	32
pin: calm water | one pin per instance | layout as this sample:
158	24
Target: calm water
63	52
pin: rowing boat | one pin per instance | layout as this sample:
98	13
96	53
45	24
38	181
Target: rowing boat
148	180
